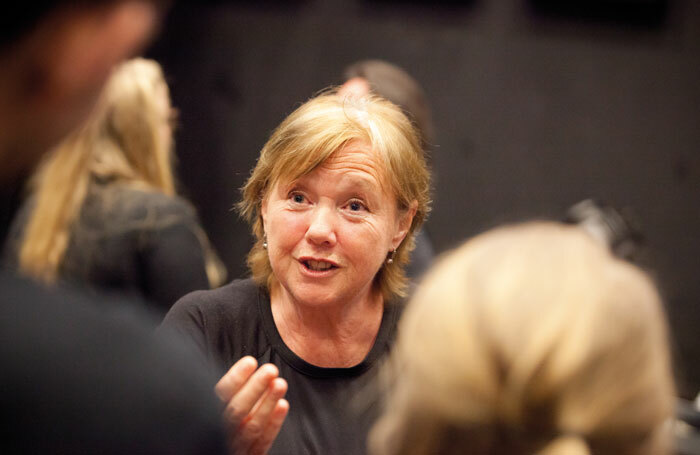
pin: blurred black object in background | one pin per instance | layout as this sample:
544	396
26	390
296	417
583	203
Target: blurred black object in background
618	229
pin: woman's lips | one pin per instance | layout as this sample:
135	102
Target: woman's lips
317	266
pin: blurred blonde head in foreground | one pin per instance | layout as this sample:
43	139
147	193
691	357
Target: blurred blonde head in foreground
530	339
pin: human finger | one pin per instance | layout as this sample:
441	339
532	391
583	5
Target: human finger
254	425
272	429
250	393
232	381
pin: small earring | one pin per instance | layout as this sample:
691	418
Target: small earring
265	241
390	259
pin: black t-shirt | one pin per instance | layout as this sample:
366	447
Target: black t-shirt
80	376
331	409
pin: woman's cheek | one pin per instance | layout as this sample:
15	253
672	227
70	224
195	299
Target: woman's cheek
368	228
291	225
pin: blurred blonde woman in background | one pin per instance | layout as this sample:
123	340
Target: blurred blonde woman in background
103	209
530	339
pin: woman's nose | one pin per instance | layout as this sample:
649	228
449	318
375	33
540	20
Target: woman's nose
321	229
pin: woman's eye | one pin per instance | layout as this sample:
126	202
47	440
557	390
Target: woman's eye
356	206
298	198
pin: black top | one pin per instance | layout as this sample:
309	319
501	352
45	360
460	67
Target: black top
83	377
129	240
328	414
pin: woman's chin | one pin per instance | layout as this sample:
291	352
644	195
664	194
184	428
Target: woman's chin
315	295
322	288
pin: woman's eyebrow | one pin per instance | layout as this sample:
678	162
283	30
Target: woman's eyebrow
358	185
371	187
287	185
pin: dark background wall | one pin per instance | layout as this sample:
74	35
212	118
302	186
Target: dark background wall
533	112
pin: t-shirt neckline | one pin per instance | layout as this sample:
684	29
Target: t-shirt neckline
384	334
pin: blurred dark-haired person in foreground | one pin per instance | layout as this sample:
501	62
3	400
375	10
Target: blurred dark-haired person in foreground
103	211
79	374
396	85
530	339
334	200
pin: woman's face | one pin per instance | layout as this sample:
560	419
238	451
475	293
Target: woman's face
329	232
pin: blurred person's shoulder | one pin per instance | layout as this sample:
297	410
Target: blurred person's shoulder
138	206
81	375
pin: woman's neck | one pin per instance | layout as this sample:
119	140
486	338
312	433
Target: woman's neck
338	336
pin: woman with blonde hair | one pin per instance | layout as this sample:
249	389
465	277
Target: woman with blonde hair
530	339
334	202
103	209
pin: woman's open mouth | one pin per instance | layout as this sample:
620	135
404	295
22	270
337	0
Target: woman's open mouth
317	266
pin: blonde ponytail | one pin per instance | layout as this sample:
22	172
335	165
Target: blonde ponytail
61	185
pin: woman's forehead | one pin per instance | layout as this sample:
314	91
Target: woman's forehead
356	153
355	158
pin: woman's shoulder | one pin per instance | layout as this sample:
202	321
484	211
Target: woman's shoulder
236	292
229	301
220	321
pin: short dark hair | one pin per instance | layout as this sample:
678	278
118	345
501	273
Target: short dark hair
396	85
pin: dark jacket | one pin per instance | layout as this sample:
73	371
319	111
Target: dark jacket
132	241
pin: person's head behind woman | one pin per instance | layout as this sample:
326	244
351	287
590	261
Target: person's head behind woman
127	139
530	339
396	85
312	137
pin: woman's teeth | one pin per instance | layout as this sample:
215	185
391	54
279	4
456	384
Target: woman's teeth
318	265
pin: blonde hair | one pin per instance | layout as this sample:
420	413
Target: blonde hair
530	339
121	141
310	136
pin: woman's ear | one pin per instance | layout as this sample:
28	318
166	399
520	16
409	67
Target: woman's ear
404	224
